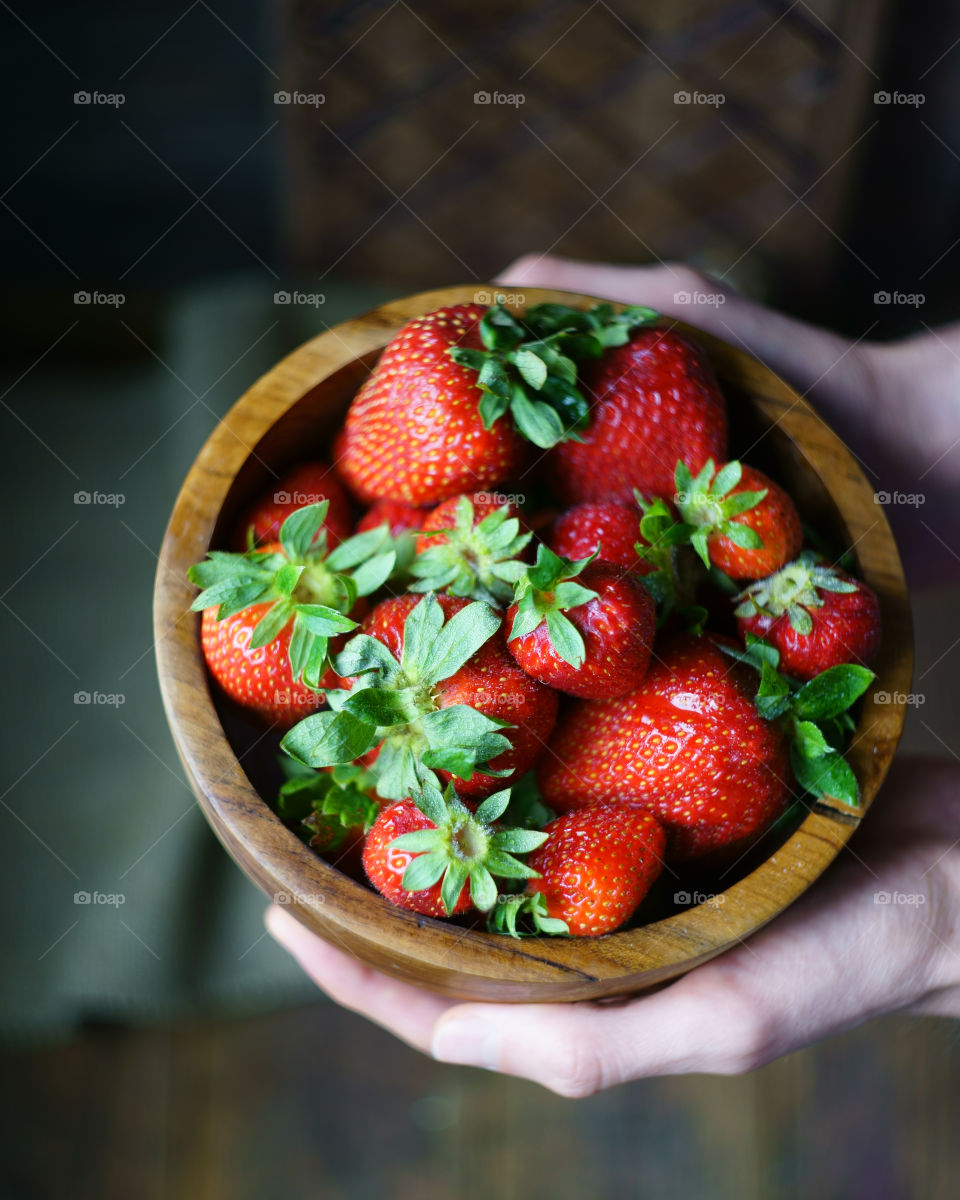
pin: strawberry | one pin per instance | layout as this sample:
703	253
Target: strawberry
816	616
595	867
585	628
414	431
431	421
470	546
309	483
608	529
739	519
269	614
688	744
436	696
439	859
397	516
655	400
256	676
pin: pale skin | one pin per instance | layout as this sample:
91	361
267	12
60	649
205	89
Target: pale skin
838	957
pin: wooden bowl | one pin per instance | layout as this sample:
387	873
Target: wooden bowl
291	413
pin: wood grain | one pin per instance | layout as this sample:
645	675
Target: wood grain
293	410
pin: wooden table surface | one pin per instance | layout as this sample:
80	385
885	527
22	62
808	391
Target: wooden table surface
316	1102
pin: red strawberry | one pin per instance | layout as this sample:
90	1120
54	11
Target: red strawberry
439	859
608	529
591	637
596	866
472	546
490	682
743	522
259	679
271	615
306	484
815	615
385	865
656	401
399	517
414	431
444	516
688	744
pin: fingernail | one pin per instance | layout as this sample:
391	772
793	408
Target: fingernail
471	1042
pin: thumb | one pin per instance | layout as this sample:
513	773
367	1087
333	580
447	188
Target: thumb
814	360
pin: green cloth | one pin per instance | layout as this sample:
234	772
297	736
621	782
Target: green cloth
94	798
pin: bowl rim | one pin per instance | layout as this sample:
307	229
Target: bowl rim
446	956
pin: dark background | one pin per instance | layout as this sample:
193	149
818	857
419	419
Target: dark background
164	1046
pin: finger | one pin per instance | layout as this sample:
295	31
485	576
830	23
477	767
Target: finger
408	1012
699	1024
804	354
833	960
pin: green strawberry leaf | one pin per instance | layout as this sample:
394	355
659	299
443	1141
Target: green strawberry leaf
325	738
494	378
492	407
519	841
536	420
727	478
826	775
381	707
810	740
532	368
493	807
363	654
566	639
773	695
832	692
457	642
420	630
483	891
452	886
423	872
271	624
741	535
299	531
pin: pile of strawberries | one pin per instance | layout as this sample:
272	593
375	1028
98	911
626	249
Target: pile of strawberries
567	641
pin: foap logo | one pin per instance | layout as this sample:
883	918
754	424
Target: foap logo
108	899
300	99
299	499
900	299
710	899
698	499
485	297
499	499
100	699
303	299
100	499
100	299
901	499
100	99
912	699
287	898
900	99
508	99
709	299
704	99
907	899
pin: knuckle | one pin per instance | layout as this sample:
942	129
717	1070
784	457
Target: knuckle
690	279
747	1030
576	1073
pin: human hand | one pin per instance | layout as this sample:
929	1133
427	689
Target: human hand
836	958
897	405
